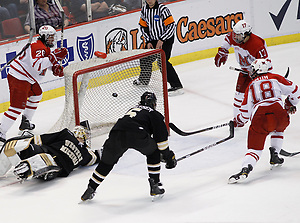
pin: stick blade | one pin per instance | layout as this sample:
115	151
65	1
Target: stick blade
177	130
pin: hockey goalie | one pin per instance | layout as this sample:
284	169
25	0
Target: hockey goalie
47	156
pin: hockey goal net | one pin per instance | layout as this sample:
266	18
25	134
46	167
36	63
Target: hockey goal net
102	90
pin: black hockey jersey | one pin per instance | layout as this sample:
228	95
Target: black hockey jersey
67	151
146	118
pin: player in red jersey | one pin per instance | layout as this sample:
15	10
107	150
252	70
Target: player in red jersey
24	76
263	105
247	47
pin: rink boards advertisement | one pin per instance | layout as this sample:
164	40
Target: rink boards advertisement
200	26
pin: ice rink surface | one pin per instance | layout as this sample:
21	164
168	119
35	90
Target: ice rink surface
197	189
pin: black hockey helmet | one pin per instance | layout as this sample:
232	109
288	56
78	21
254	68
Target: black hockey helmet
148	99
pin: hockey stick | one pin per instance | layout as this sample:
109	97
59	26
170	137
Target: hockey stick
18	54
237	69
231	135
287	73
288	154
182	133
245	72
62	25
32	32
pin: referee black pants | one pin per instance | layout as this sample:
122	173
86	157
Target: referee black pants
146	65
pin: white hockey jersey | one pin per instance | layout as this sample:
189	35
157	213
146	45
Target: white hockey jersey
265	90
246	53
32	64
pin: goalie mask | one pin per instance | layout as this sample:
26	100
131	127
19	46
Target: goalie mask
48	35
148	99
82	134
241	30
259	67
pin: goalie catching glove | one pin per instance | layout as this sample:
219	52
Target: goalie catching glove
221	56
291	109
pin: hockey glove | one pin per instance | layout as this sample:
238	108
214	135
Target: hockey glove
291	109
23	170
60	53
221	56
237	122
170	159
58	70
52	58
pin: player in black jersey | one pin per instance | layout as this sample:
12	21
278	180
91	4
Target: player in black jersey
47	156
143	129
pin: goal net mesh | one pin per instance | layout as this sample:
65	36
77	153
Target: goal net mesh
102	90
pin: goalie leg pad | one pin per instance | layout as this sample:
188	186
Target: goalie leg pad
38	166
5	164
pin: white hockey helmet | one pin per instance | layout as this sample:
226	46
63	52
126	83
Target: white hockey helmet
259	67
241	30
48	35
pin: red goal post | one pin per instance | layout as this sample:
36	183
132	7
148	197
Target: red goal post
102	90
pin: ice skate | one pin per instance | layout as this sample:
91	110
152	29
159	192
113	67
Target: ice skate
156	191
25	125
88	194
174	91
241	175
275	160
139	82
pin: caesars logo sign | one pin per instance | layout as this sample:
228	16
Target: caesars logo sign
118	39
206	28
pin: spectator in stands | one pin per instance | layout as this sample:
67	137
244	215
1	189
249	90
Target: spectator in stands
23	6
133	4
79	9
11	6
4	13
116	6
46	13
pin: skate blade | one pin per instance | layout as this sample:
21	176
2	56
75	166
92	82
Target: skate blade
233	180
274	166
157	197
175	93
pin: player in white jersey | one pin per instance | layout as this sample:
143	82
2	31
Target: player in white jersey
247	47
264	106
24	76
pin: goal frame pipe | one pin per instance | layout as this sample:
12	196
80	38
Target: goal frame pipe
117	62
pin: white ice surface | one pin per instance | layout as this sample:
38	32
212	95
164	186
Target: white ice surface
197	189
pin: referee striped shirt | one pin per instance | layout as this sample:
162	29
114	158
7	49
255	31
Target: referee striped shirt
156	23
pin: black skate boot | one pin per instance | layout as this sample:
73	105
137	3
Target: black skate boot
25	124
140	82
275	160
241	175
88	194
155	190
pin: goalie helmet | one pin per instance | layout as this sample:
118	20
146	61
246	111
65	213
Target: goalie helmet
148	99
48	35
82	134
259	67
241	30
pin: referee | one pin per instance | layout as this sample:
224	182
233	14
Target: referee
158	27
